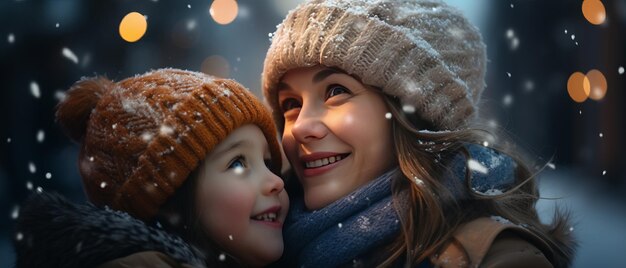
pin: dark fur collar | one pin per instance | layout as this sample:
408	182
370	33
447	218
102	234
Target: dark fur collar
58	233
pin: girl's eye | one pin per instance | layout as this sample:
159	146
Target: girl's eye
334	90
289	104
237	163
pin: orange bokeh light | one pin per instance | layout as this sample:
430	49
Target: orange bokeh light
594	12
597	84
224	11
578	87
133	26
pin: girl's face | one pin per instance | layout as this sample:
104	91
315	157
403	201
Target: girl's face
336	135
241	204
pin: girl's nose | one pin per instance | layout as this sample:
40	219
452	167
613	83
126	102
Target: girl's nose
272	184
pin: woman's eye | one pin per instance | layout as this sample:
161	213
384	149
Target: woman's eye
237	163
289	104
334	90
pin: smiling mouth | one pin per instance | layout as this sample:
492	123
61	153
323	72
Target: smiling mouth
325	161
269	217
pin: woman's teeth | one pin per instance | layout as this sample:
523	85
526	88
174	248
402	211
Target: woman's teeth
266	217
322	162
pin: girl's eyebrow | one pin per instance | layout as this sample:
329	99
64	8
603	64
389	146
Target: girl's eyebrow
234	145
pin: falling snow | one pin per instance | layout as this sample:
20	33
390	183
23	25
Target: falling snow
15	213
146	136
508	74
19	236
91	159
48	175
388	115
507	100
166	130
512	5
603	172
11	38
620	70
29	185
188	6
485	143
477	166
59	95
8	140
408	108
31	167
339	225
191	24
103	185
565	31
222	257
573	37
529	85
551	165
34	89
39	190
238	170
57	25
601	135
500	219
510	33
40	136
230	237
69	55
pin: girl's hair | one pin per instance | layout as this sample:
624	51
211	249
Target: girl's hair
429	213
180	216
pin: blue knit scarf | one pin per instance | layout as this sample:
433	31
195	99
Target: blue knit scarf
343	230
358	223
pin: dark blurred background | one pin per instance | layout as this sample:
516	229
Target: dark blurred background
533	47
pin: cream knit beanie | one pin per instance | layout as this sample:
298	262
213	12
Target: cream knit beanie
422	51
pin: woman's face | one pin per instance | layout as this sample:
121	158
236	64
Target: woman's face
336	136
241	204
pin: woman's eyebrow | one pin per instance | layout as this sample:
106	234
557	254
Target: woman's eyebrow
321	75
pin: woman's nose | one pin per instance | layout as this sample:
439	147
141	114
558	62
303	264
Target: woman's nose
308	127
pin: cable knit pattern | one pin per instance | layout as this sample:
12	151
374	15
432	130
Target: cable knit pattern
423	51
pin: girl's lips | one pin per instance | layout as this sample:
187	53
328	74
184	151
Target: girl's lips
273	224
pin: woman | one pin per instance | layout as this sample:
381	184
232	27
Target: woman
374	101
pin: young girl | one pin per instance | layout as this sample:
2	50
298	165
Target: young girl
374	100
185	155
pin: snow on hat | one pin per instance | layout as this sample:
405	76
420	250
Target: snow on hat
141	137
422	51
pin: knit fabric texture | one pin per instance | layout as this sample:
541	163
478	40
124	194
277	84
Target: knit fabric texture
142	137
422	51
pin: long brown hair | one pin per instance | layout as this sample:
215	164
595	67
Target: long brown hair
429	213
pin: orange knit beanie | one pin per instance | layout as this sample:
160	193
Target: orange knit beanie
141	137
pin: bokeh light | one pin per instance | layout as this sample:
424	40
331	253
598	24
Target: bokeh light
217	66
224	11
597	83
594	11
578	87
133	26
